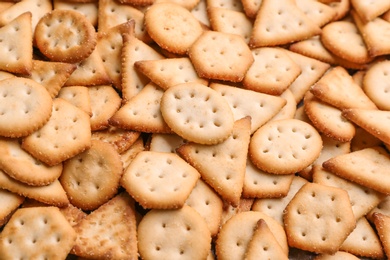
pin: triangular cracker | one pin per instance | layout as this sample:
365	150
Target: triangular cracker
110	230
382	225
142	112
229	157
318	12
338	89
16	38
369	10
281	22
9	203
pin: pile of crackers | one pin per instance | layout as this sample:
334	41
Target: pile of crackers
194	129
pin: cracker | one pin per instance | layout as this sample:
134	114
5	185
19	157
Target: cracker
335	256
319	13
383	208
341	7
244	102
159	229
343	39
272	71
363	241
109	231
229	157
200	13
338	89
363	199
229	210
128	156
368	11
279	23
251	7
10	202
78	96
134	50
21	166
285	146
51	75
235	5
197	113
105	101
363	139
74	46
25	107
288	111
89	9
67	133
188	4
366	167
37	232
230	21
328	119
374	121
142	112
92	178
382	225
121	139
159	180
264	244
51	194
237	232
165	142
374	84
169	24
169	72
208	204
274	207
221	56
16	45
328	213
73	214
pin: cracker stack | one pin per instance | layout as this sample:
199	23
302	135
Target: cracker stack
199	129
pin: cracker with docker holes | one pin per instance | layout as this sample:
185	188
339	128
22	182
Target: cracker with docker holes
77	96
374	84
10	202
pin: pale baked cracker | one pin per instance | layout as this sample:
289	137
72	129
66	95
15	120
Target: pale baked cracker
221	56
383	207
328	119
375	84
16	38
159	229
285	146
25	107
382	225
197	113
89	72
105	101
200	13
264	244
168	72
67	133
251	7
109	231
134	50
229	157
237	232
10	202
165	142
259	184
374	34
208	204
289	109
52	194
78	96
142	112
112	13
338	89
121	139
235	5
51	75
37	232
109	46
244	102
319	218
139	3
172	26
319	13
311	71
363	241
128	155
92	177
89	9
341	7
374	121
228	210
271	72
74	46
338	255
159	180
188	4
344	40
73	214
368	11
363	139
366	167
363	199
281	22
21	166
274	207
230	21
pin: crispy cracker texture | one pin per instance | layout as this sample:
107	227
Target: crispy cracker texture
194	129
